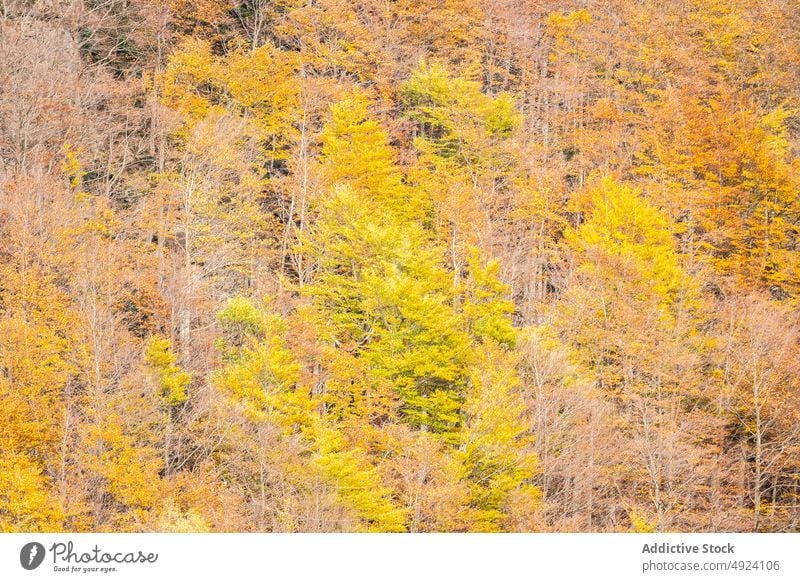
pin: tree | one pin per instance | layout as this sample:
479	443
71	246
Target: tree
261	374
380	280
465	163
759	372
633	315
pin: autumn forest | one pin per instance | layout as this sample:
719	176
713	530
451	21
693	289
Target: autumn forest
399	265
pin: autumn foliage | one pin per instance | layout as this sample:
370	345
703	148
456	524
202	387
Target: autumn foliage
462	266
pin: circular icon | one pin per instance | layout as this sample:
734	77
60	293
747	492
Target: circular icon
31	555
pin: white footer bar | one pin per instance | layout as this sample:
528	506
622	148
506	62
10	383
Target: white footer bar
406	557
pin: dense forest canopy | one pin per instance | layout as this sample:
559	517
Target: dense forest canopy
429	265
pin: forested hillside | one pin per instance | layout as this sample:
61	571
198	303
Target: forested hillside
399	265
